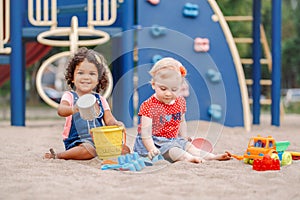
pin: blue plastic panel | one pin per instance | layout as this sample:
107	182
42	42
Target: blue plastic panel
178	41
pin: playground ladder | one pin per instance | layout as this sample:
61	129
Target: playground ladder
267	60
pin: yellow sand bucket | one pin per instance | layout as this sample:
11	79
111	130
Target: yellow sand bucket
109	141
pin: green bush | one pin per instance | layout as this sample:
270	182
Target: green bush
293	108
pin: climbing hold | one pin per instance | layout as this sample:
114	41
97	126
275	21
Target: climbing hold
190	10
215	111
201	44
214	76
157	30
215	18
154	2
156	58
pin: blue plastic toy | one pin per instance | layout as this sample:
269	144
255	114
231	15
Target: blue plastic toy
190	10
156	58
132	162
214	76
215	111
157	30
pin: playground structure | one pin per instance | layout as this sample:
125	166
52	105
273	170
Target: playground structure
74	32
195	32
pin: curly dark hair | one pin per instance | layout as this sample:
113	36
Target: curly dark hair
92	57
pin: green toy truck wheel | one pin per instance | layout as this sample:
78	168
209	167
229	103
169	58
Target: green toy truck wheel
286	159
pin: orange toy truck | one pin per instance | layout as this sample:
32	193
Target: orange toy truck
259	146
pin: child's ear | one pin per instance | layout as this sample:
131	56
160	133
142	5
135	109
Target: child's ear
152	84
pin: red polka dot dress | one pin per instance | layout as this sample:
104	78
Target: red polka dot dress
166	118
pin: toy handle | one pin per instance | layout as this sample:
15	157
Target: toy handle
124	135
125	148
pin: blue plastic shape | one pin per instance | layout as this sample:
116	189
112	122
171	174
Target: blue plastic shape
190	10
132	162
215	111
214	76
156	58
157	30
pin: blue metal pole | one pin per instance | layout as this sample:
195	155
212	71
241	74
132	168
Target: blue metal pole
123	67
17	67
256	53
276	60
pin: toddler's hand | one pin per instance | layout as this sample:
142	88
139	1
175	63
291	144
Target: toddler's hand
152	153
119	123
75	109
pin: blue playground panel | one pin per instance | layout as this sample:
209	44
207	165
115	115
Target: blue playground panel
175	38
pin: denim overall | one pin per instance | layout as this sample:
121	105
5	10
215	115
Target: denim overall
79	131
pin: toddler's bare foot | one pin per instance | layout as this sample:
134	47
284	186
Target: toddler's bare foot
224	156
193	159
51	155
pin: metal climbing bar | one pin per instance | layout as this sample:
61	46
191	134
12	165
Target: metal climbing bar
256	53
38	18
105	12
276	60
17	68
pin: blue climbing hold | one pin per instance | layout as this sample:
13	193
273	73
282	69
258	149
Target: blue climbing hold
156	58
214	76
157	30
215	111
190	10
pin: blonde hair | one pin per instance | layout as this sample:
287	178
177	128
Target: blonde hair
167	63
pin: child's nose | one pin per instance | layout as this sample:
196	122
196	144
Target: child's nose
86	76
168	93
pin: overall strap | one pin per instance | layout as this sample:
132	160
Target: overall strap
100	105
75	97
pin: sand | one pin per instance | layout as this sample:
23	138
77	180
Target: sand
26	175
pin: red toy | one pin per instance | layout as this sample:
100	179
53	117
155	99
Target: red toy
266	163
203	144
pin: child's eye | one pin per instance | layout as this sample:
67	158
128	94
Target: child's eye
174	89
163	88
79	72
92	73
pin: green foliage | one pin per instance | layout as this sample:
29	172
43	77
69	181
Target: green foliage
5	89
235	7
290	35
291	47
293	108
